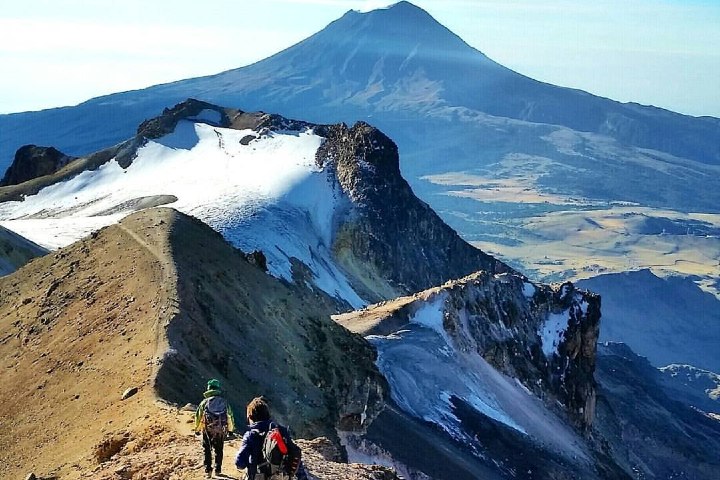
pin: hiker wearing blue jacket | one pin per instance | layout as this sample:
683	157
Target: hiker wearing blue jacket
250	455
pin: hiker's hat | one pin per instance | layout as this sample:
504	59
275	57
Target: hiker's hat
213	384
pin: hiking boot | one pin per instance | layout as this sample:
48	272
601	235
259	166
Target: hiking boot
217	472
208	474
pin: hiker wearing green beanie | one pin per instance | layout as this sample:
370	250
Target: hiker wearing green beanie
214	420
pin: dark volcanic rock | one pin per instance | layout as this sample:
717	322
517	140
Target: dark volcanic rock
389	233
543	336
190	109
163	124
257	258
504	326
32	161
503	318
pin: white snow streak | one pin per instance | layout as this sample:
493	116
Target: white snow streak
552	332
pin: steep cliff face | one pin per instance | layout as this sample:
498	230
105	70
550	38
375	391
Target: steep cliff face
32	161
499	366
389	233
544	336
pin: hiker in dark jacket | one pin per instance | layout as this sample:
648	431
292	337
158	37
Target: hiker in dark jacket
250	454
214	420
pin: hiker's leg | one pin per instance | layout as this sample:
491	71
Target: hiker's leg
218	447
207	450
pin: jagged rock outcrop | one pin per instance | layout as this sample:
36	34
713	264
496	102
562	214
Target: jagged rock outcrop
165	123
389	234
544	336
32	161
505	371
75	167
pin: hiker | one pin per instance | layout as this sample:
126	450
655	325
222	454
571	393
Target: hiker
259	451
214	419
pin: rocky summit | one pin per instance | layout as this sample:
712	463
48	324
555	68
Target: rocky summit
370	238
517	351
32	161
393	239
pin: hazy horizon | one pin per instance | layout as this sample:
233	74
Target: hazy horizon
656	52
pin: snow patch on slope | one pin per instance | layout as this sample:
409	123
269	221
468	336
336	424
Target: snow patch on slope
426	371
417	364
269	195
552	332
431	315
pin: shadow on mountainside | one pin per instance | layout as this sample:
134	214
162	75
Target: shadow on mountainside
160	303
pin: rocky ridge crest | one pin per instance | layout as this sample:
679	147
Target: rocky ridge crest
496	317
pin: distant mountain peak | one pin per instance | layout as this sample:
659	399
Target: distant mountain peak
403	7
400	22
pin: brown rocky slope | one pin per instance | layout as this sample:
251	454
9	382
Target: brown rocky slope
160	302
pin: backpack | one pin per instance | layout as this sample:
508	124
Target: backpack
280	455
216	417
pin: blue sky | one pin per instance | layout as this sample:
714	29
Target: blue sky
660	52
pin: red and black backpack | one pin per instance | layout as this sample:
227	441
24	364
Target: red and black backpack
280	456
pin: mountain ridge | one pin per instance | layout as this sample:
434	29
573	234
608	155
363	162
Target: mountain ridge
130	305
336	189
348	232
260	85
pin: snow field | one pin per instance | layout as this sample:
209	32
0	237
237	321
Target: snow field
267	195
